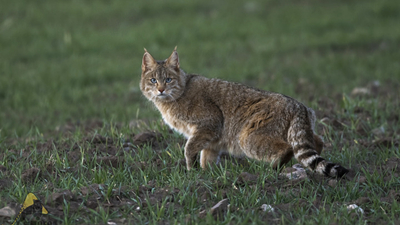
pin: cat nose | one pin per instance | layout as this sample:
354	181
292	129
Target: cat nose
161	90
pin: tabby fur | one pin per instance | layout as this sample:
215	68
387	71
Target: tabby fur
217	115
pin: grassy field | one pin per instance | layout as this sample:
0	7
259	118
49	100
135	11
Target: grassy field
74	126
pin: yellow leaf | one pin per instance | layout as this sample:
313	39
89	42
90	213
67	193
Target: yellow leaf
29	201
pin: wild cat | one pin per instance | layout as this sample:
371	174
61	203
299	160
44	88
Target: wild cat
217	115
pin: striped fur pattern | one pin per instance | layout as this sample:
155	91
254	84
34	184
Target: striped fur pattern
217	115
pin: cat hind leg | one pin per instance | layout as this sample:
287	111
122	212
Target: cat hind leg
281	151
208	156
265	145
319	144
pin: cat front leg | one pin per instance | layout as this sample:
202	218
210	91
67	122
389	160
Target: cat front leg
195	144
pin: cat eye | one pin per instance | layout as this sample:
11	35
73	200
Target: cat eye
168	80
153	80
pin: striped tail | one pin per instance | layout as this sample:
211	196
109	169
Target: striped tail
307	146
319	164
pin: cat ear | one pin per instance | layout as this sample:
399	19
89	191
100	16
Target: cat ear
173	60
148	61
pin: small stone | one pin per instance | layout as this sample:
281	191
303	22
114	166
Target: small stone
356	208
7	212
360	91
378	131
362	180
332	183
297	173
267	208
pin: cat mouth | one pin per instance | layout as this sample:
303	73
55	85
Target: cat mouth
162	95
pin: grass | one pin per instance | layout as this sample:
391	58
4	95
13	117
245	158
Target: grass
66	66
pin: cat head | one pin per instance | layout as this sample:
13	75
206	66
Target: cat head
162	81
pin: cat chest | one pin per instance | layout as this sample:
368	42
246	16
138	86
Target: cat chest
178	125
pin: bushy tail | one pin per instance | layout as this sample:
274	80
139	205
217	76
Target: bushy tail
307	146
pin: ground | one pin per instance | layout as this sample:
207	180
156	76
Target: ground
93	172
76	131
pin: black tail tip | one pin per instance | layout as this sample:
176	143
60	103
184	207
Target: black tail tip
335	170
341	171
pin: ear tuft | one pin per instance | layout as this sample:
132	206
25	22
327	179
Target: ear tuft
148	61
173	60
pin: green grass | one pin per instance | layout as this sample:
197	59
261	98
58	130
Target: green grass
69	63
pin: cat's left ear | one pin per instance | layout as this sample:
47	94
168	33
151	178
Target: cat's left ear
148	61
173	60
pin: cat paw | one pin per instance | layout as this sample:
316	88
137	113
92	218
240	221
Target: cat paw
189	164
192	161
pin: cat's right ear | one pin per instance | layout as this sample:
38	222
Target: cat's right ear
173	60
148	61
